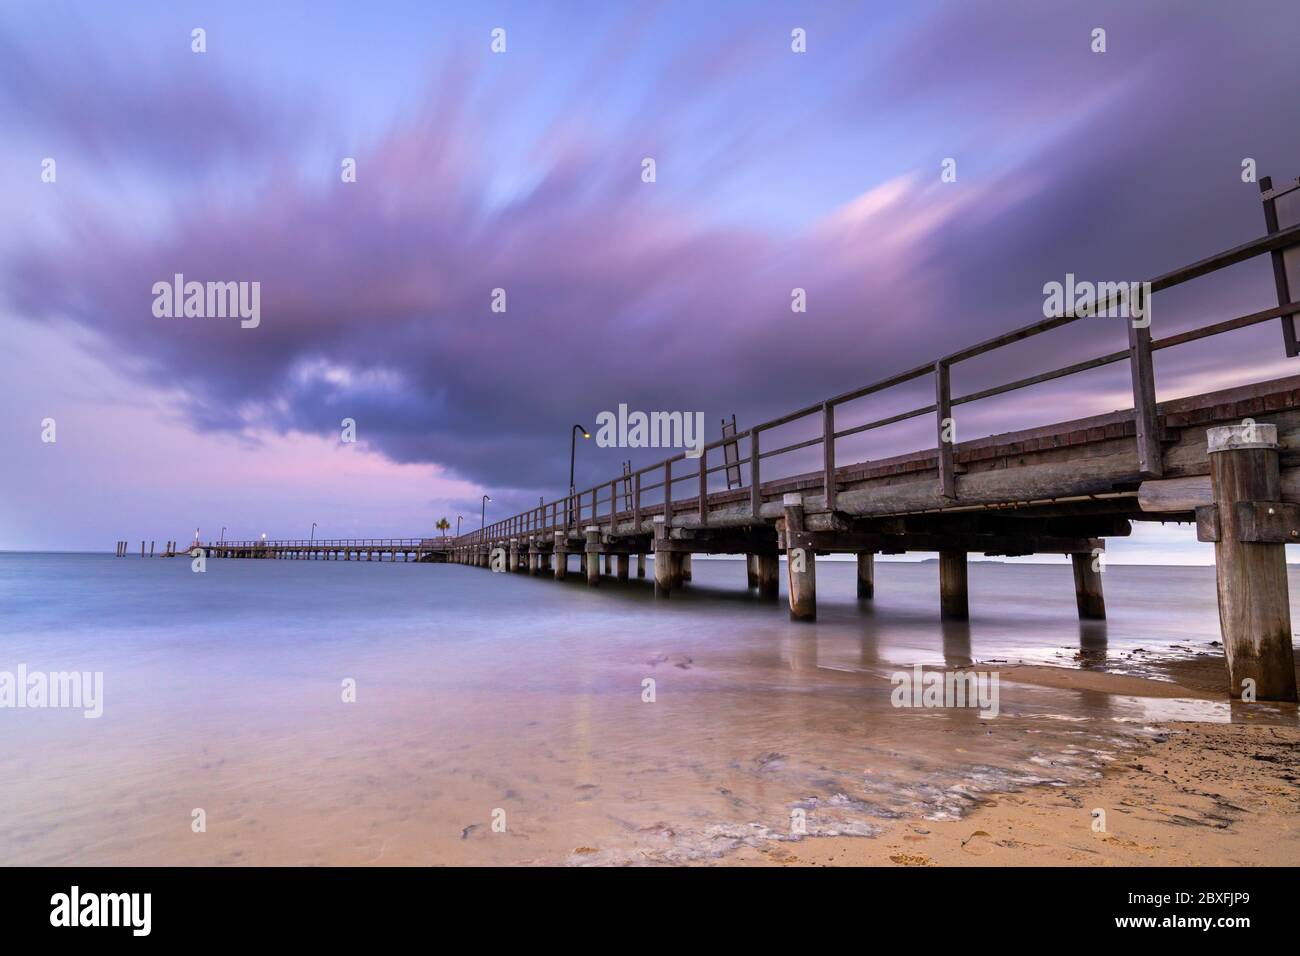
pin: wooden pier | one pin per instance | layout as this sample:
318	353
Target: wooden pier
343	549
1228	460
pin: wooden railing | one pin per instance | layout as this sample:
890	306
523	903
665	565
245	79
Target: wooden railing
584	507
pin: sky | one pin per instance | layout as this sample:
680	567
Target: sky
523	170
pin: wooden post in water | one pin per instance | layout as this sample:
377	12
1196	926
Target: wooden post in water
640	564
953	601
514	556
866	575
534	556
561	553
685	566
663	559
769	575
593	555
751	571
624	565
1087	587
142	549
1250	560
801	562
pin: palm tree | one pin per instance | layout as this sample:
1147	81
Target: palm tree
442	525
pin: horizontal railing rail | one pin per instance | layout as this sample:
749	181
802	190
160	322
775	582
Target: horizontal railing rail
583	508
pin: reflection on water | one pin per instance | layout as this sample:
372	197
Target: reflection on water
479	692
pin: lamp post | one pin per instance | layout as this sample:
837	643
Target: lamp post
573	446
458	517
223	534
482	519
313	531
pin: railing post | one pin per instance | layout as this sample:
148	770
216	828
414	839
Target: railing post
1279	269
704	486
613	506
828	454
668	493
1144	395
636	503
946	428
755	495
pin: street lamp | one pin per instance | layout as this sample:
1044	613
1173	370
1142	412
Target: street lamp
223	534
313	531
482	519
458	517
573	446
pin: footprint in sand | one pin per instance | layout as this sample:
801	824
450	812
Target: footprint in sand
978	843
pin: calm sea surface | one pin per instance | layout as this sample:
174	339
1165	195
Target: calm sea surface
486	696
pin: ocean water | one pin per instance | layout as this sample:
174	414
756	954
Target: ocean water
487	698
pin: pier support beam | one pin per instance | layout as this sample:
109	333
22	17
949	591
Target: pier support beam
866	575
514	557
685	569
663	560
1250	560
593	555
954	604
751	571
1087	588
769	575
624	564
534	557
640	564
561	555
801	562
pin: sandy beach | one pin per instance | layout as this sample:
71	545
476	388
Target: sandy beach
1198	794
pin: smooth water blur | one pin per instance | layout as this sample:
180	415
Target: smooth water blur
480	692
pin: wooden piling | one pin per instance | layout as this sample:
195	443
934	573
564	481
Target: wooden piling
768	567
561	554
1087	587
663	559
640	564
593	555
751	571
866	575
953	601
1250	559
801	561
685	560
624	563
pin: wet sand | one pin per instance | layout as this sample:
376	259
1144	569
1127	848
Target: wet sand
1196	794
